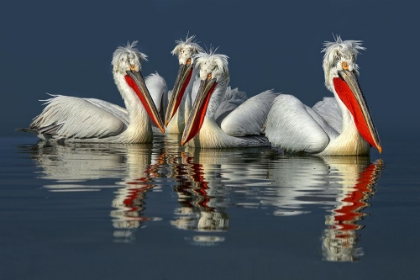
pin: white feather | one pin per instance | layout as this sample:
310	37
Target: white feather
241	122
328	128
246	120
185	50
77	119
291	126
339	51
328	110
156	85
232	99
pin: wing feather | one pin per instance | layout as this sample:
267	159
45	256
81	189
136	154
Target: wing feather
294	126
328	109
232	99
249	117
73	117
113	109
156	85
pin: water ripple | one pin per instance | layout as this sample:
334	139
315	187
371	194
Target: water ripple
206	184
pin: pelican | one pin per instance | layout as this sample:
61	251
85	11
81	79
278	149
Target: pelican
76	119
335	126
241	128
180	100
186	86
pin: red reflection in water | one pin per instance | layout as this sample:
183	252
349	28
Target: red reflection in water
129	201
198	211
348	212
341	238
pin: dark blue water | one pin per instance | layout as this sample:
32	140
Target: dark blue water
162	212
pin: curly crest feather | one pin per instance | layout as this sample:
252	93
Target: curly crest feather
340	51
216	63
129	52
188	43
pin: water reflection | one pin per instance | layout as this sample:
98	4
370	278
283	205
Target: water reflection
345	183
202	198
79	167
206	180
340	238
209	183
130	200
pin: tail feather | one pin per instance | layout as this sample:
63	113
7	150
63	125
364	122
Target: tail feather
45	132
33	131
50	129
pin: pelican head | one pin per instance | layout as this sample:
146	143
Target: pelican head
126	62
340	55
213	72
213	64
341	71
185	50
127	58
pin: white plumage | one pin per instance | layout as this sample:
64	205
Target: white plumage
245	122
180	100
159	92
76	119
186	86
335	126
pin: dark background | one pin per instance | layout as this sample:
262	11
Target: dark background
66	48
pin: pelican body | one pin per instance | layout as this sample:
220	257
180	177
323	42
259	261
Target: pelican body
240	128
335	126
76	119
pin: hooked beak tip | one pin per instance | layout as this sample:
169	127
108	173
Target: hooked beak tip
380	149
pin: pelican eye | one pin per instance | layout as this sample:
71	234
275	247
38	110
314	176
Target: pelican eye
209	76
345	65
132	67
188	61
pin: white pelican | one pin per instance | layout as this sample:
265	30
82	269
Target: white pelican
180	101
241	128
76	119
332	127
186	86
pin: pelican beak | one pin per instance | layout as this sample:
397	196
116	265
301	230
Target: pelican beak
181	83
199	109
136	82
352	96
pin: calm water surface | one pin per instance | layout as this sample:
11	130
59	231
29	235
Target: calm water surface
85	211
